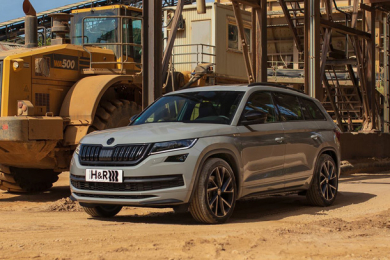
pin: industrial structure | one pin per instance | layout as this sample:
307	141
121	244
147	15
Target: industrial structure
339	55
335	51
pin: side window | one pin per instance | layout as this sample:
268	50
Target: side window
233	37
289	107
311	110
262	101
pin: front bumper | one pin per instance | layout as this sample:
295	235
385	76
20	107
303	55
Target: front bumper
153	182
26	141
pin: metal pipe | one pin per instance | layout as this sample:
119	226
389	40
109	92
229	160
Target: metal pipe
30	25
201	6
386	117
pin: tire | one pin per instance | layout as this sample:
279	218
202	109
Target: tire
103	211
213	201
324	185
114	113
27	180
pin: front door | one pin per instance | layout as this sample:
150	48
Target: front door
263	147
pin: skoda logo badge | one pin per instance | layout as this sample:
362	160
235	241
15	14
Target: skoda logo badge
110	141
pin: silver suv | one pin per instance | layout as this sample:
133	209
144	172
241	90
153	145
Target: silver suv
202	149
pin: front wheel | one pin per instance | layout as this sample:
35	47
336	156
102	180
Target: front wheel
215	193
103	211
324	185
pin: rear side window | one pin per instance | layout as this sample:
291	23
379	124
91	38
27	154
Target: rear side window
262	101
289	107
311	110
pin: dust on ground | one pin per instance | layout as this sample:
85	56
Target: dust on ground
50	226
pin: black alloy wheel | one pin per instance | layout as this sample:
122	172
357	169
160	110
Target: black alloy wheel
214	197
220	191
324	185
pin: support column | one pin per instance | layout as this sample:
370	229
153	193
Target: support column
261	42
151	52
386	113
313	52
371	80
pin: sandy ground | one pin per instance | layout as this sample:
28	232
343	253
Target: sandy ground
357	226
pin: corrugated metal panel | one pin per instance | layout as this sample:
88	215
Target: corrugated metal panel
184	37
229	63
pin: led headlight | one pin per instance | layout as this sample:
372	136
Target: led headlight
77	149
172	146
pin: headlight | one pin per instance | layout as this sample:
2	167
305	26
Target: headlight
172	146
77	149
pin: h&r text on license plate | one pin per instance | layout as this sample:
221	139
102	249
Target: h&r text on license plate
97	175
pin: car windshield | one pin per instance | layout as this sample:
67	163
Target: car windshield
215	107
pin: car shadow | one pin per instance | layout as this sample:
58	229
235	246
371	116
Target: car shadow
251	210
51	195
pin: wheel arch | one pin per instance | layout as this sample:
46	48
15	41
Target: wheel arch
332	153
226	155
81	103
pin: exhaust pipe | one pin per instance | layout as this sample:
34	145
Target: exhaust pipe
30	25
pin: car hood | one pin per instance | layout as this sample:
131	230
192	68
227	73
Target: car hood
157	132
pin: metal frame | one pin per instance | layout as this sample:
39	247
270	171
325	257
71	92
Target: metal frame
120	43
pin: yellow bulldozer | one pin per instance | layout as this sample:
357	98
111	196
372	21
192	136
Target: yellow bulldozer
88	79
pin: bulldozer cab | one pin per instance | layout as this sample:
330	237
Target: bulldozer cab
117	28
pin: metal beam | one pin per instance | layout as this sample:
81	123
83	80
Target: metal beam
291	25
251	3
344	29
245	49
260	44
171	39
313	52
152	52
386	117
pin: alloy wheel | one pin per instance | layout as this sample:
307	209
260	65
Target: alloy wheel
328	180
220	191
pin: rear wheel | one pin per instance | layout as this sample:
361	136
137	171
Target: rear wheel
27	180
103	211
324	185
215	193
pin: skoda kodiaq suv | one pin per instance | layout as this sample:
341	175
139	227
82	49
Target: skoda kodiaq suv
202	149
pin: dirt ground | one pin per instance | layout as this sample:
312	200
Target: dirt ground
357	226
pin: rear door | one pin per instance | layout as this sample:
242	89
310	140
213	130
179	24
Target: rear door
263	147
301	137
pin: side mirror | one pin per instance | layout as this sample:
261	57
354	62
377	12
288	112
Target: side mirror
133	118
254	117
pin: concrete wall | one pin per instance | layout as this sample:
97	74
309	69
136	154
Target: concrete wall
361	145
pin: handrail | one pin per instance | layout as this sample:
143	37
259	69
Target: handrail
200	53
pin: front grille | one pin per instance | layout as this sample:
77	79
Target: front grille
131	197
107	156
135	184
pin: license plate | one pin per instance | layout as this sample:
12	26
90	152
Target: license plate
96	175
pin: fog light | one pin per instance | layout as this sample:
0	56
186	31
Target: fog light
177	158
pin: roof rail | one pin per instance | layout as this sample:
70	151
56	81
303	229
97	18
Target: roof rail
270	84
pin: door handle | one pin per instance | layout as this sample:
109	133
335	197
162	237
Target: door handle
279	139
314	137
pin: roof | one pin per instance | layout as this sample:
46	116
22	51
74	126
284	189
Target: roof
242	88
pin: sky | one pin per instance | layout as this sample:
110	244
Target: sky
11	9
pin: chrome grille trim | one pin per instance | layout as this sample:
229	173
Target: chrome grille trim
120	155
